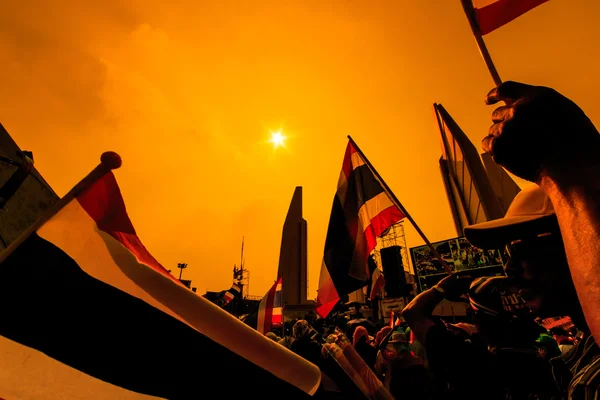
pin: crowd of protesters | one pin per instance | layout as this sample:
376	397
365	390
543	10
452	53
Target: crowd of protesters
551	241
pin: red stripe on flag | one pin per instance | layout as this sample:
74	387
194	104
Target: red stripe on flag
495	15
347	165
329	292
380	223
377	286
104	204
268	320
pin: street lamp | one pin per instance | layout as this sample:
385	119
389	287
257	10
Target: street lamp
181	266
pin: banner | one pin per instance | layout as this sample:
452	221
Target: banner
386	306
459	255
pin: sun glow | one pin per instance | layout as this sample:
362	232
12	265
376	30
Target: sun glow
277	139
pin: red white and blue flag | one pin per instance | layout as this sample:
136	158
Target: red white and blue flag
269	313
232	293
395	319
362	210
377	284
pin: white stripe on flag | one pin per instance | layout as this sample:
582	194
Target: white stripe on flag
30	374
104	258
277	311
371	209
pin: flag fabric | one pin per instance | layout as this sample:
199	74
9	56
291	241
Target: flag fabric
235	291
269	312
87	312
362	210
377	283
395	319
492	14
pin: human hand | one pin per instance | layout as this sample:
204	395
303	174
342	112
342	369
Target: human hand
454	286
537	130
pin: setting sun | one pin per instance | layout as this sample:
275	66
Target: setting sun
277	139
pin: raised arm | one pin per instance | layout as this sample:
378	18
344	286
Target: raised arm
545	138
418	312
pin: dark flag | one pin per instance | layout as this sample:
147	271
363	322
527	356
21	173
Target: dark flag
362	210
87	312
269	312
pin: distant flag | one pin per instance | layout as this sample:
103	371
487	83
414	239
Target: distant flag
377	283
232	293
362	210
87	312
269	312
492	14
395	319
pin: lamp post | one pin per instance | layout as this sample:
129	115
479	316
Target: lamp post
181	266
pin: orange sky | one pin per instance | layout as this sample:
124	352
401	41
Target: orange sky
187	93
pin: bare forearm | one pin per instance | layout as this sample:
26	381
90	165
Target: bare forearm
418	313
576	199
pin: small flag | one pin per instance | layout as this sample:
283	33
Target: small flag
377	283
101	318
395	319
232	293
362	210
269	312
492	14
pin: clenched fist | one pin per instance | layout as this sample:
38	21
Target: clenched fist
538	130
454	285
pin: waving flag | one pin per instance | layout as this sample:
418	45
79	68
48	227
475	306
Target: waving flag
232	293
362	210
269	312
377	283
82	294
492	14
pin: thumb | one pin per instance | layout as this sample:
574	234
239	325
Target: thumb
508	92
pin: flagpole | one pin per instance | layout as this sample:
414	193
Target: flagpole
401	207
470	13
108	161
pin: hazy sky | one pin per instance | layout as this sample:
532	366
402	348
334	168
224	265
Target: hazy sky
187	93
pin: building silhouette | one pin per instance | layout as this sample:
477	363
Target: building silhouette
293	255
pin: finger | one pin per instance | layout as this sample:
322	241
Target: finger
491	142
487	143
502	114
509	92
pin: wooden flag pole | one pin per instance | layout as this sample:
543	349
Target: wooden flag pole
470	13
401	207
108	162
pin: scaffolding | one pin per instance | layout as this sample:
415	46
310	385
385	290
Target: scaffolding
394	237
245	283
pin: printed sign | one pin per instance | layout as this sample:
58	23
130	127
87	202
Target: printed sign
459	255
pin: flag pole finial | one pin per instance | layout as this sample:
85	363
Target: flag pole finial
111	160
